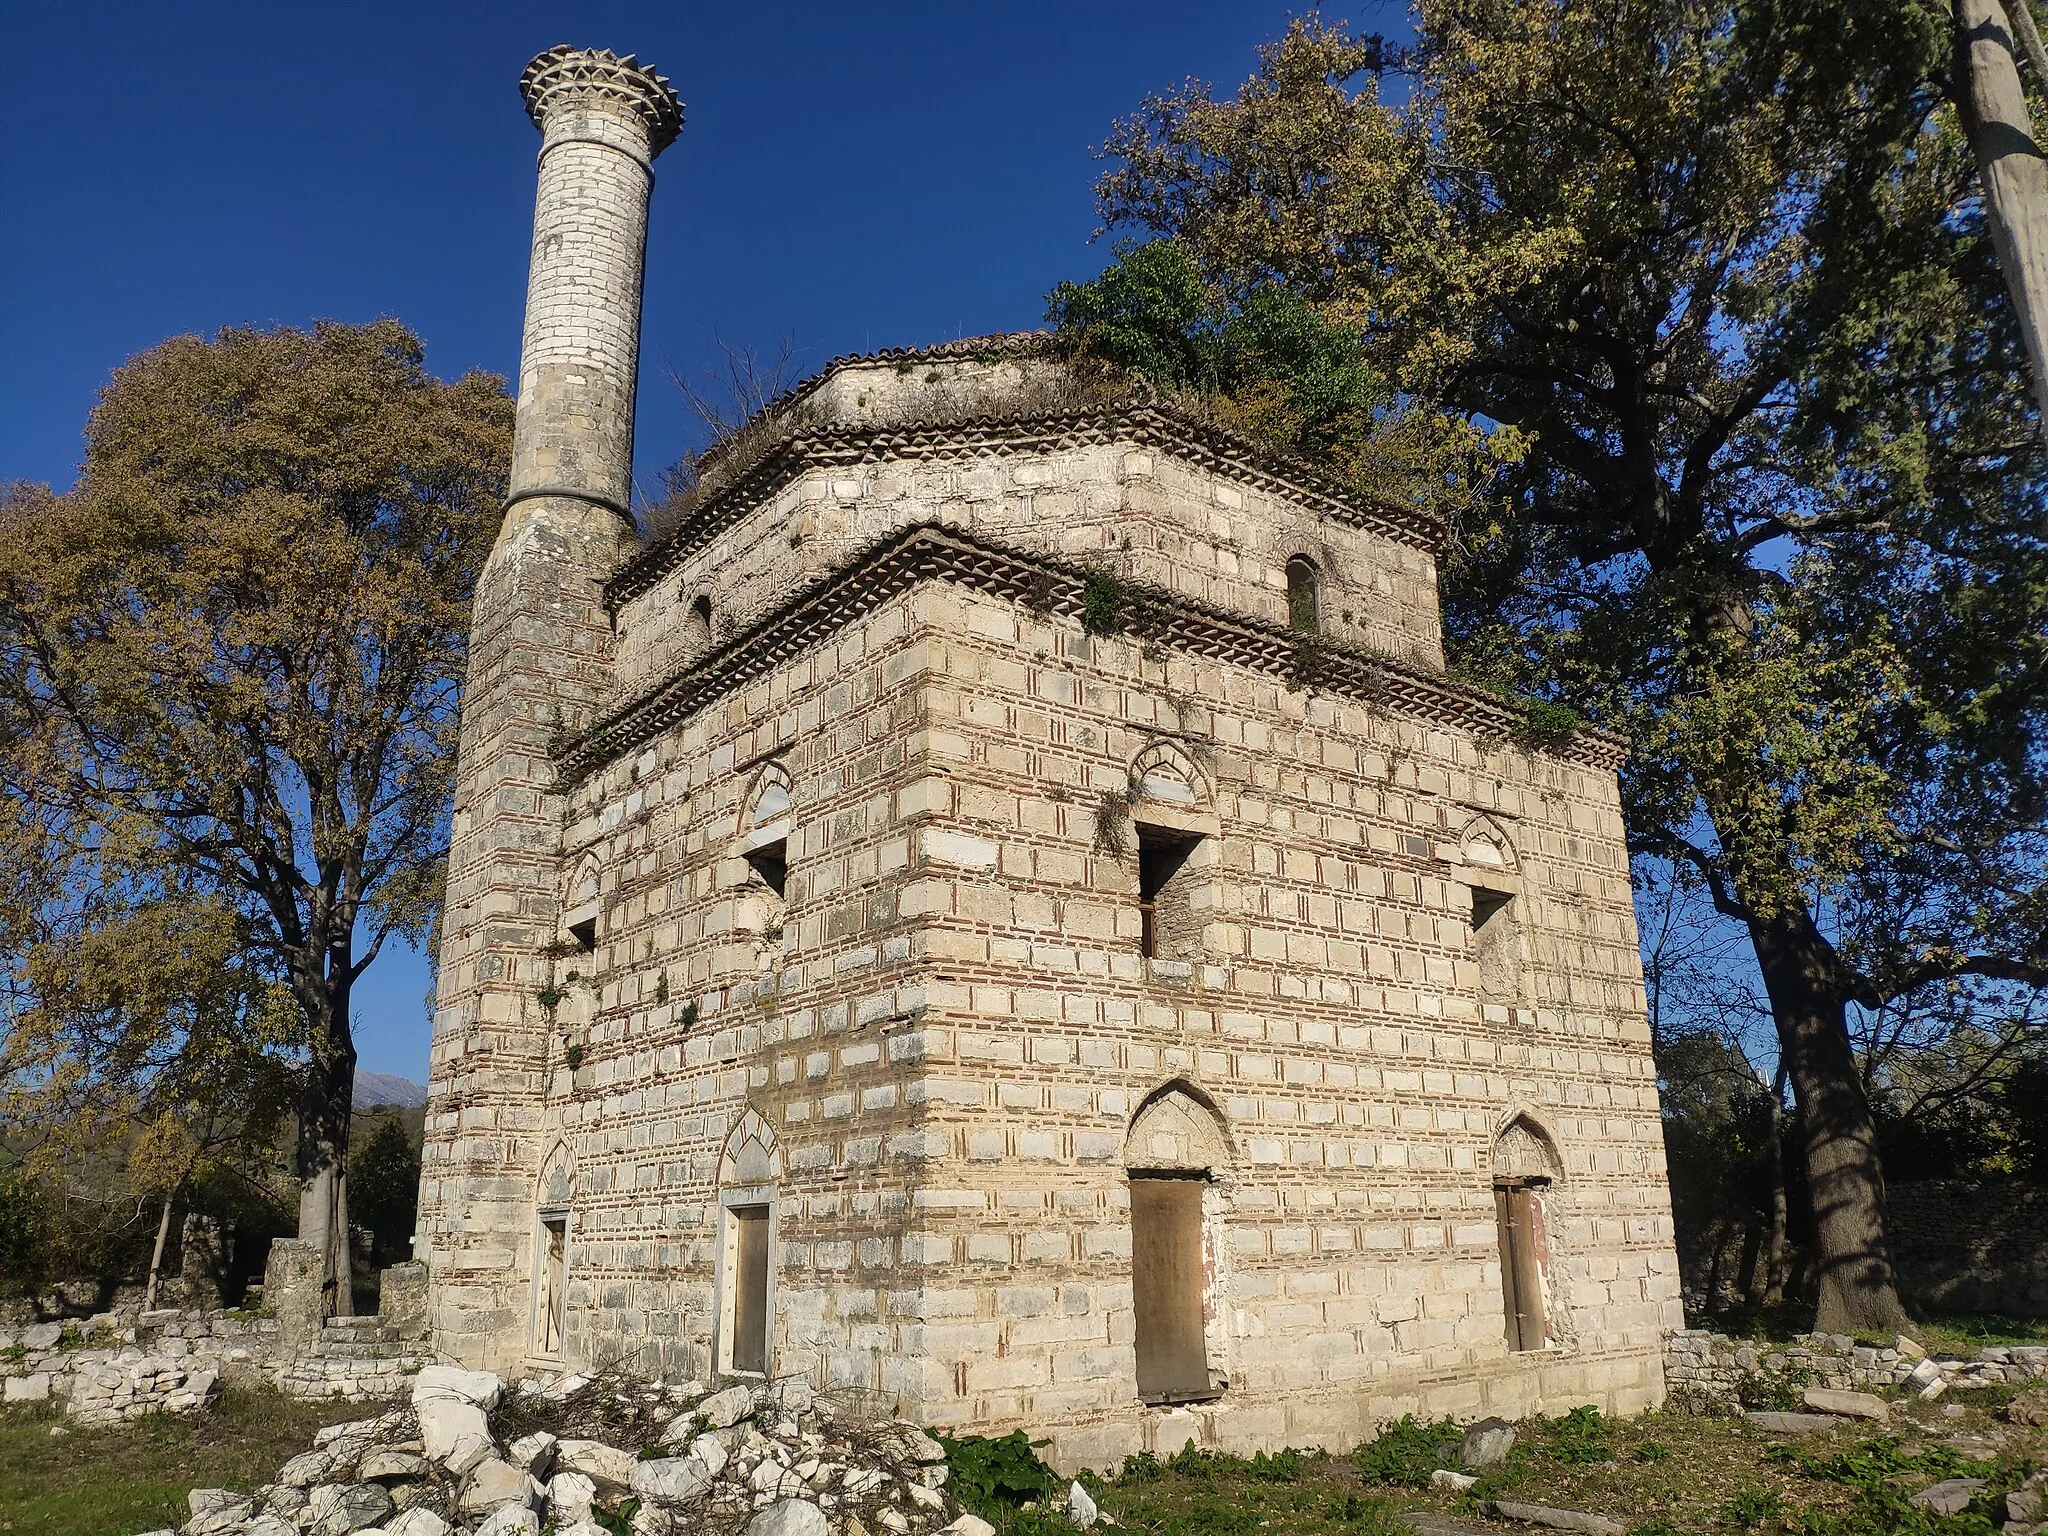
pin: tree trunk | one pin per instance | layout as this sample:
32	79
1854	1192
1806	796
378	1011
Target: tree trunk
2011	167
1776	1272
1858	1291
324	1110
156	1254
1749	1268
1711	1302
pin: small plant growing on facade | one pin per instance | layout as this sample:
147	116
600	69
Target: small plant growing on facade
689	1014
661	987
1112	818
550	998
574	1056
1102	602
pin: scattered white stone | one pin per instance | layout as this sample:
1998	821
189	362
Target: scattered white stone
377	1466
1950	1497
482	1388
671	1480
338	1508
418	1521
970	1525
721	1410
446	1423
32	1388
496	1482
306	1469
510	1520
1555	1519
793	1517
602	1463
1853	1405
216	1510
1456	1482
1487	1443
533	1453
570	1495
1080	1508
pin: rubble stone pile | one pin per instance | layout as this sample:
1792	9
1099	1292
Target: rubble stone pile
596	1457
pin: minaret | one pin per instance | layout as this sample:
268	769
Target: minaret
539	667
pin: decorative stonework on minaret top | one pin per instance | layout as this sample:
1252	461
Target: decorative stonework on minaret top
603	119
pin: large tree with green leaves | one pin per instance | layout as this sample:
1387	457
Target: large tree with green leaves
229	663
1707	286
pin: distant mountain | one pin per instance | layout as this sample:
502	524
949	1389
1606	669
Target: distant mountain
375	1088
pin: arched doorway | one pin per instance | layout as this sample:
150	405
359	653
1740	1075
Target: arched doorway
749	1170
1525	1168
1174	1154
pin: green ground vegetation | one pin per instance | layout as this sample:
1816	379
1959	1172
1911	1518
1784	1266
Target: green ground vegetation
1664	1474
134	1477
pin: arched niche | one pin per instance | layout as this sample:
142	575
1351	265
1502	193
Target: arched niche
581	899
1524	1150
1163	776
557	1188
767	800
1175	1131
1484	845
752	1155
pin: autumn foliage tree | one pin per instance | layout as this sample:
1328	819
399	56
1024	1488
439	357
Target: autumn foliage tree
229	665
1692	307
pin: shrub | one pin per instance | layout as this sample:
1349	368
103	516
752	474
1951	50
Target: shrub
1580	1437
996	1477
1406	1452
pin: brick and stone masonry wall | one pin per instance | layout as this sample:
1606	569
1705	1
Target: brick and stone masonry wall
1963	1247
914	1013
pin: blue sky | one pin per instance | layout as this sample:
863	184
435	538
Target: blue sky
859	176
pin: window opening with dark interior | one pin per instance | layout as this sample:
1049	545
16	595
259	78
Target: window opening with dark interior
749	1260
580	921
698	627
1494	944
1165	916
1519	1210
1303	607
771	863
1166	1287
770	860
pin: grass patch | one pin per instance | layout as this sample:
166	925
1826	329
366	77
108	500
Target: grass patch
1957	1333
1671	1474
1206	1493
133	1477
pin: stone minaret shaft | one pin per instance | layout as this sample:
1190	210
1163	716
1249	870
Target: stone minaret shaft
539	667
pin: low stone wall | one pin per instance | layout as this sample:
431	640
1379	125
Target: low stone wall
1712	1373
122	1365
1963	1247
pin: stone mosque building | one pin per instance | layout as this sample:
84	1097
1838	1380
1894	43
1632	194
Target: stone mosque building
1002	910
